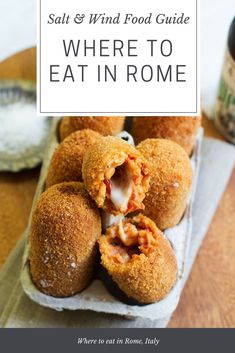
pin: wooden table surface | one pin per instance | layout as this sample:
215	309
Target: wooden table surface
208	299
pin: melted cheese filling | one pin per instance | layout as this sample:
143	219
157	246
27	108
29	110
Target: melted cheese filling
121	188
121	232
108	220
131	237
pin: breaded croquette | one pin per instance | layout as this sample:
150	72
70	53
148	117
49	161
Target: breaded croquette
105	125
63	241
180	129
66	162
115	175
171	180
139	259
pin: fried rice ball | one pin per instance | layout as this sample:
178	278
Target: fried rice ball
105	125
139	259
171	180
63	241
66	162
180	129
115	175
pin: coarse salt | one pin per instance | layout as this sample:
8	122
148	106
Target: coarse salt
22	131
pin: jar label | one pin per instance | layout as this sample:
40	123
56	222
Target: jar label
225	104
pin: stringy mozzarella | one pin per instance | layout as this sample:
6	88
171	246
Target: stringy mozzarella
121	190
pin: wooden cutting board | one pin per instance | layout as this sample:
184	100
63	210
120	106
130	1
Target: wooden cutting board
208	299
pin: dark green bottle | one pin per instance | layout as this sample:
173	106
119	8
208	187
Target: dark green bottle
225	104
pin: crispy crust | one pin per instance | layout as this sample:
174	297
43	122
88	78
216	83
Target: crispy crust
171	180
105	125
180	129
99	164
66	162
65	227
146	279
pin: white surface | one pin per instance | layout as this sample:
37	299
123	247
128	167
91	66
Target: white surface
17	26
173	95
18	31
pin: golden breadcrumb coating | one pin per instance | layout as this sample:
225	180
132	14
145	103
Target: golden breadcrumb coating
171	180
145	267
66	162
102	162
105	125
180	129
62	245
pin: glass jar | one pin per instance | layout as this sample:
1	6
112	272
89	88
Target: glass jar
225	104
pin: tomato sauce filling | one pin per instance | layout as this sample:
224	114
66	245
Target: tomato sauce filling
131	237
